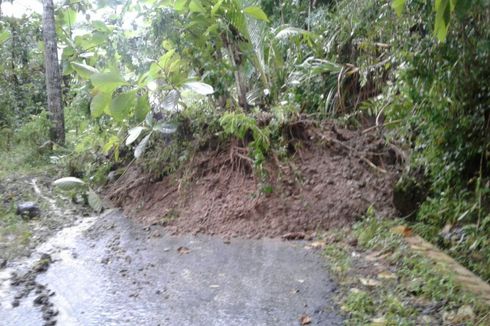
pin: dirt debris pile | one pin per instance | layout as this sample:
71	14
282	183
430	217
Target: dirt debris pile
334	175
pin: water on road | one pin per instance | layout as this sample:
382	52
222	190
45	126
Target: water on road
110	271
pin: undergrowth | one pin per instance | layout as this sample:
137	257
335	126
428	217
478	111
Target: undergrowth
409	289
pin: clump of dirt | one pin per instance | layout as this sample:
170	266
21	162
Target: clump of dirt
333	176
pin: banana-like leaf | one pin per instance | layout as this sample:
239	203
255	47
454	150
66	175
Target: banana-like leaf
68	183
134	133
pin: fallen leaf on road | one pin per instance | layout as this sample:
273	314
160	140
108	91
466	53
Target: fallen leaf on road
387	276
318	244
305	320
183	250
369	282
378	322
402	230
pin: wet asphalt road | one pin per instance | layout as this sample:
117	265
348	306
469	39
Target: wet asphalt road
109	271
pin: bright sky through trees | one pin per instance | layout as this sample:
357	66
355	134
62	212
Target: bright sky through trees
20	7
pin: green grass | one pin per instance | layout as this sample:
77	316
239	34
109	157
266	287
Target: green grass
393	301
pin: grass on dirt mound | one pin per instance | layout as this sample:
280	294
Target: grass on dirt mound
331	177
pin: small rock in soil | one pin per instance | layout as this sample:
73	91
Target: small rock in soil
41	300
43	263
294	236
28	209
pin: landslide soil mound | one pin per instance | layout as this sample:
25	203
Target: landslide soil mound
331	178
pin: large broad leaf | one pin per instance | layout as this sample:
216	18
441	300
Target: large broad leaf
68	17
256	12
100	104
171	100
68	183
100	26
121	105
200	88
107	82
94	201
85	71
141	148
142	107
133	134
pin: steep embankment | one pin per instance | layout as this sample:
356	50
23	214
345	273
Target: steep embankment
331	178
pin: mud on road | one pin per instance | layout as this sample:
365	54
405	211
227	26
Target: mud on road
109	271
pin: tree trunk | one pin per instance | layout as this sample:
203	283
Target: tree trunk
53	75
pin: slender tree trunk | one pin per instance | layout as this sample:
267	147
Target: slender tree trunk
53	75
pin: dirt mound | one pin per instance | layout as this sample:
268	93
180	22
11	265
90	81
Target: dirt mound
333	177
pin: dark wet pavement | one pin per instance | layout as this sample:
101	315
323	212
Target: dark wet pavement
109	271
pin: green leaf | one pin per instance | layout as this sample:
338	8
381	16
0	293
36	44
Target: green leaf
398	6
94	201
100	104
200	88
196	6
256	12
4	36
69	17
134	133
179	5
142	107
166	59
141	148
85	71
443	15
107	82
100	26
121	105
113	142
216	7
68	183
165	128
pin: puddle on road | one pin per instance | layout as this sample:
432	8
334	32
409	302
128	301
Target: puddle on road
59	247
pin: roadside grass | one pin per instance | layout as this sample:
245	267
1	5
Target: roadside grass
384	282
17	164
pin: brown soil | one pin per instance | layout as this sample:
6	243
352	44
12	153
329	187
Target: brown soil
333	176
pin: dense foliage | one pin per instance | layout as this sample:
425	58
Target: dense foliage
161	78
